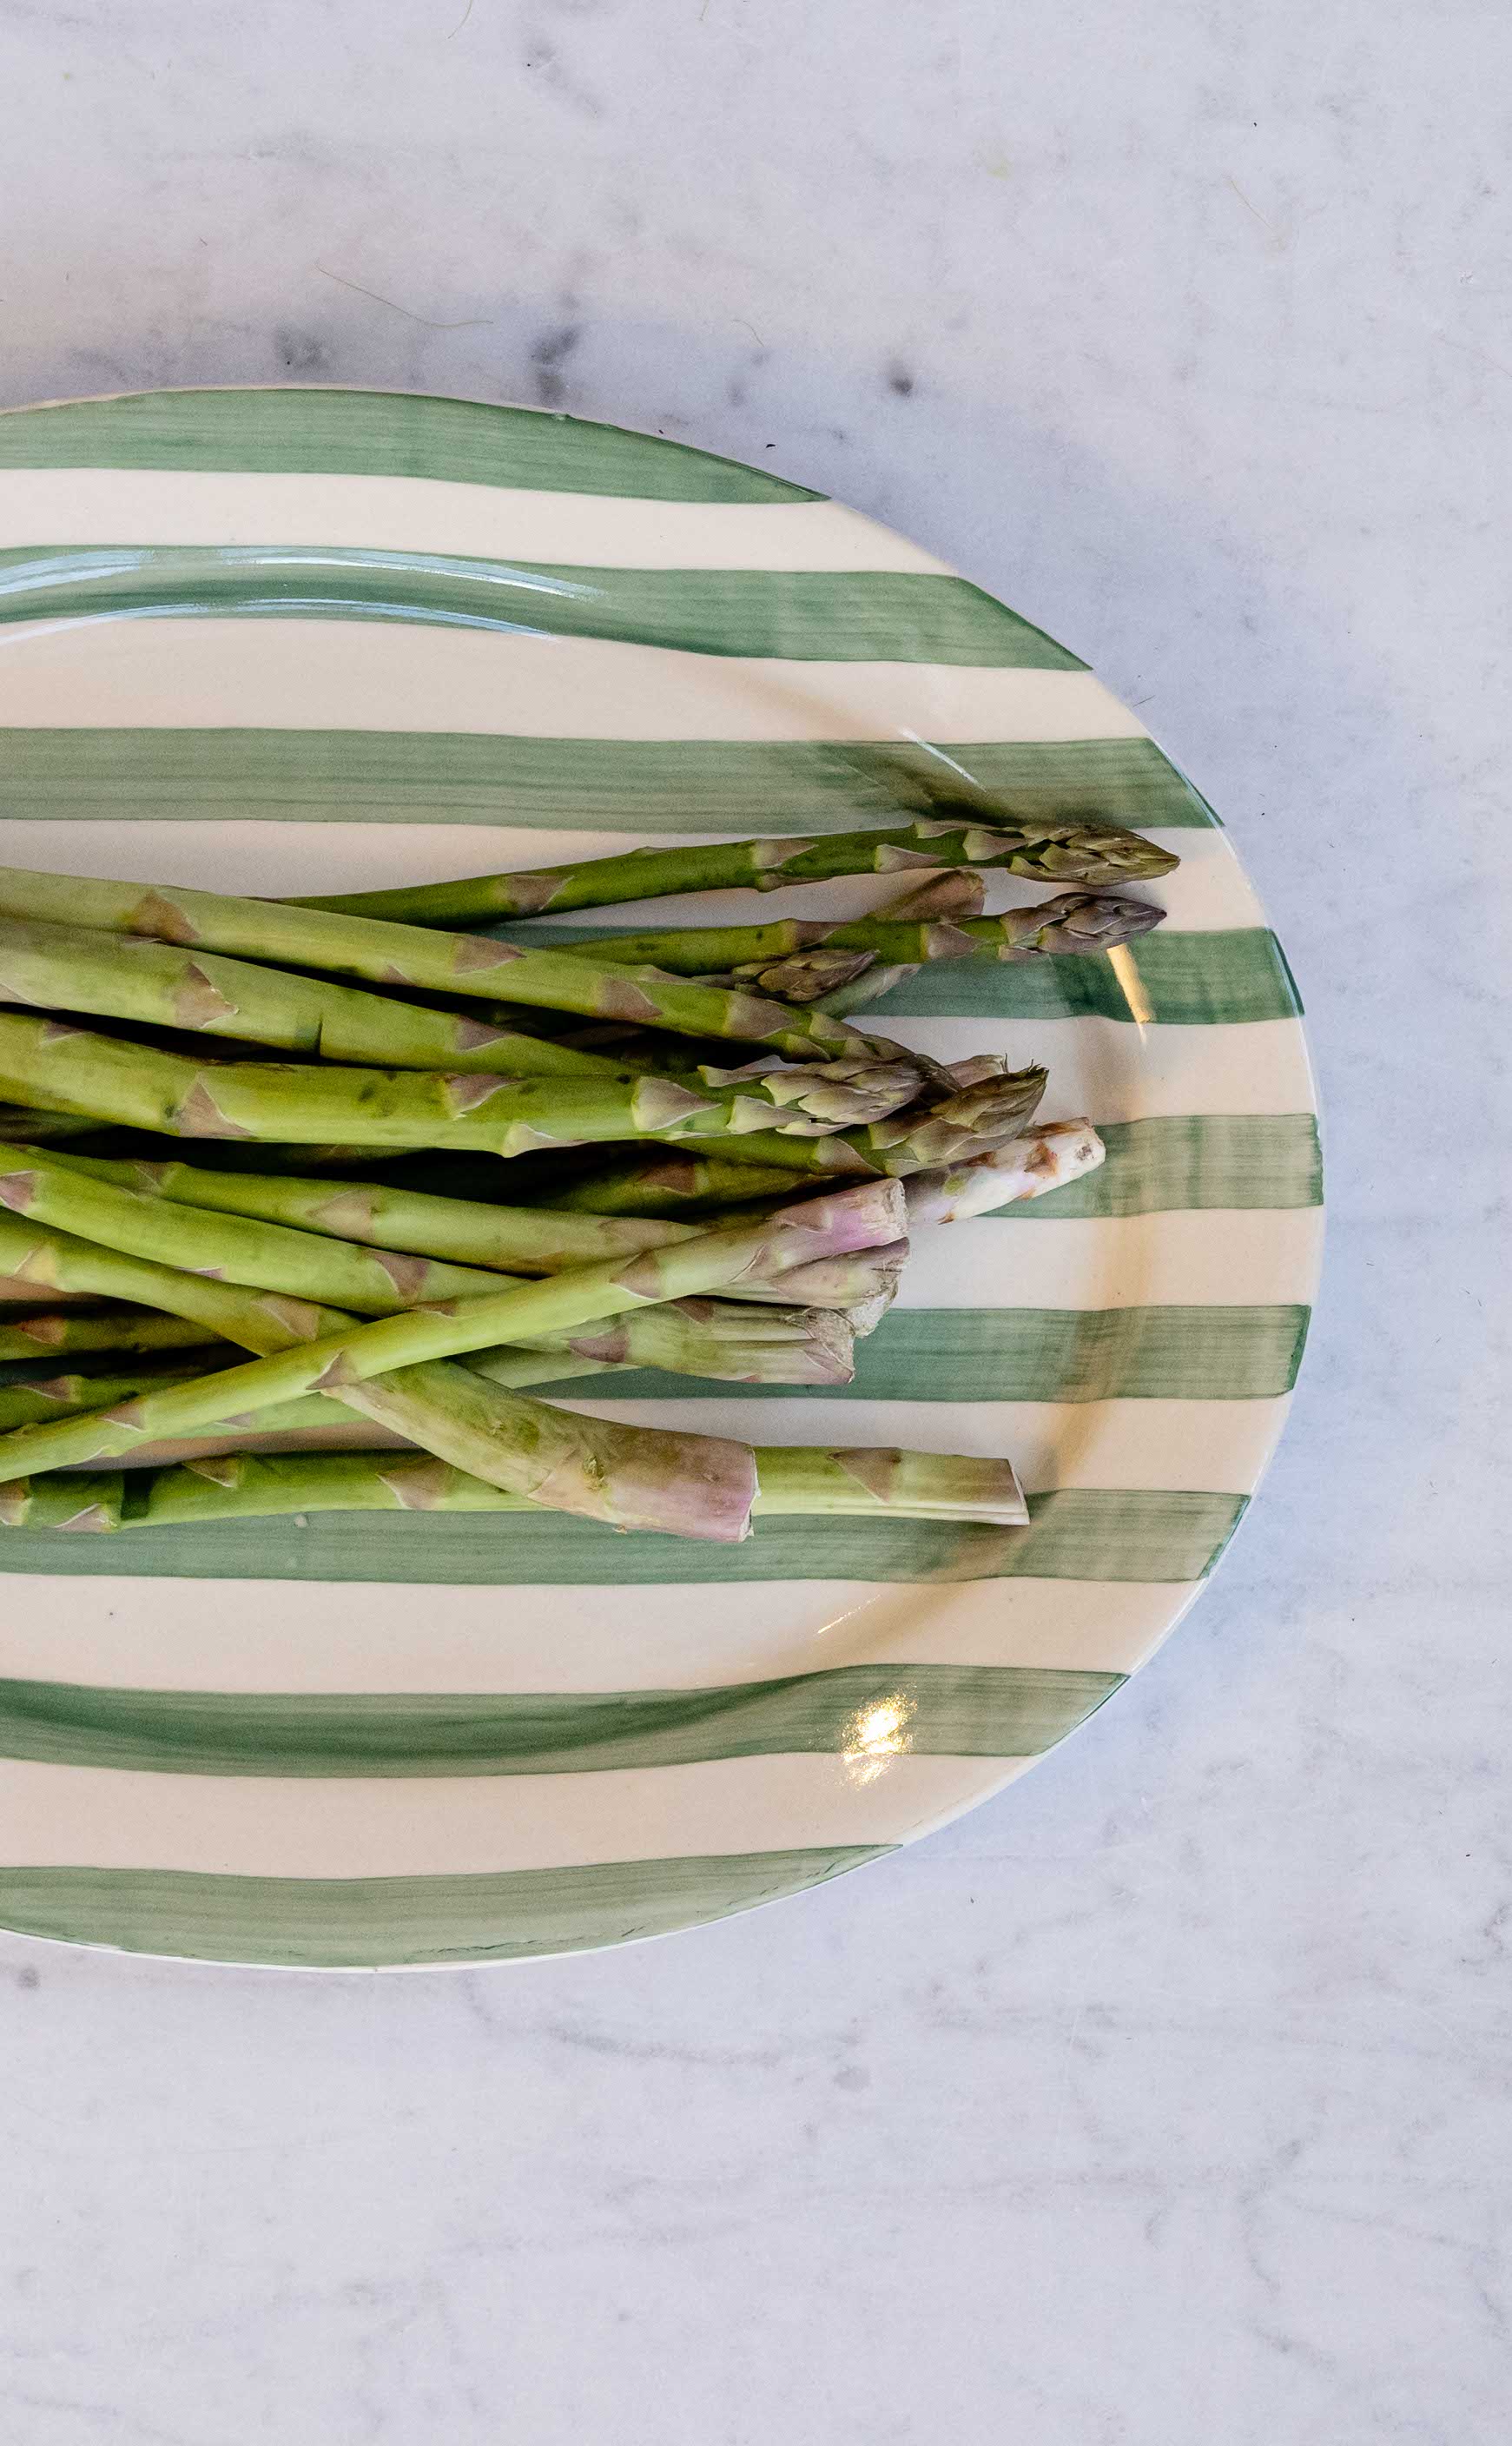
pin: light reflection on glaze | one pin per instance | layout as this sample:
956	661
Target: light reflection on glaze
876	1734
1131	984
175	582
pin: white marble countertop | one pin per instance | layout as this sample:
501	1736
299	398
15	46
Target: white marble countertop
1161	2101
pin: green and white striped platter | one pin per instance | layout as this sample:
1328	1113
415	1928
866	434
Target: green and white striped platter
303	640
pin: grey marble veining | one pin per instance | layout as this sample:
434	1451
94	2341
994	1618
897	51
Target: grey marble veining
1164	2100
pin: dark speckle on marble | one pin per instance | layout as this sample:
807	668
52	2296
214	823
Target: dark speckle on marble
541	58
29	1975
299	351
549	352
901	379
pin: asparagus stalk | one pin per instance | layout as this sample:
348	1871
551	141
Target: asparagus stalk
160	985
956	892
815	975
814	1347
505	1238
1031	1166
718	1191
837	981
412	956
920	1138
1072	922
865	989
312	1424
719	1339
944	1128
1027	1167
794	1480
19	1121
52	1331
716	1338
235	1247
513	1239
348	1362
33	1253
145	1088
1070	849
784	1343
60	1397
670	1184
500	1239
150	984
634	1477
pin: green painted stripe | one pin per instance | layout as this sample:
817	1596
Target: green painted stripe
377	433
1187	1163
649	787
1045	1354
804	616
932	1710
353	1923
1075	1533
1221	979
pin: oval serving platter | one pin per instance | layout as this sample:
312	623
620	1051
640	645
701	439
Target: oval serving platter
280	641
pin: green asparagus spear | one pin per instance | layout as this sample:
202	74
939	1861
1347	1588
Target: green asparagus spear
32	1253
1031	1166
718	1191
60	1397
19	1121
511	1239
811	1347
1072	922
718	1339
634	1478
233	1248
1043	1159
794	1480
147	1088
315	1419
669	1184
46	1334
920	1138
864	991
708	1337
956	892
626	1476
1070	848
803	976
404	1348
519	1240
412	956
160	985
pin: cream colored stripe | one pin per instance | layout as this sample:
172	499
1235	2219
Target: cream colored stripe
225	1635
273	1827
361	675
1211	1447
1115	1071
85	506
1207	1258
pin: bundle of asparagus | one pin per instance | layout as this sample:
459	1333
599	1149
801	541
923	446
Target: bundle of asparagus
770	1158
